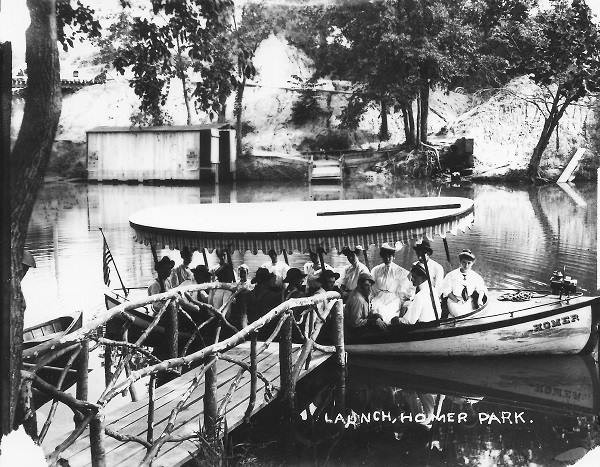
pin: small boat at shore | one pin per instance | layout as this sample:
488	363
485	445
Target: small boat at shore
46	331
546	324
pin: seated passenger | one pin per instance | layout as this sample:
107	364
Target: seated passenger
217	297
265	296
201	275
182	272
279	268
419	309
162	283
436	270
359	318
294	279
327	279
243	272
463	287
312	269
352	271
391	286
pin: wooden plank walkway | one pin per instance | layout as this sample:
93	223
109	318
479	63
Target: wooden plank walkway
324	170
132	419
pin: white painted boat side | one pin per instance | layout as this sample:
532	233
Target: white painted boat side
563	333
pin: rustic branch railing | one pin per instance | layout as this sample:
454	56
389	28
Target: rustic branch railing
172	304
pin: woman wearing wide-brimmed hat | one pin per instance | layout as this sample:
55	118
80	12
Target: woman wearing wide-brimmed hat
391	286
463	287
435	269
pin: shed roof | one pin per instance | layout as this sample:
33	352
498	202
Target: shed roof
158	129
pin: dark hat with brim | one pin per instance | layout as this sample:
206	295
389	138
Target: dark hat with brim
327	273
466	253
423	247
165	262
262	275
294	274
366	276
202	271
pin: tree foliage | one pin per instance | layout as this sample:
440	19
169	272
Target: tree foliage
561	53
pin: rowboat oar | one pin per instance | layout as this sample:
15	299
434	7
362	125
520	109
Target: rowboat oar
320	252
386	210
366	259
285	256
204	256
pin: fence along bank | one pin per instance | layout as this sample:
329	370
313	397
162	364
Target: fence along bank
161	154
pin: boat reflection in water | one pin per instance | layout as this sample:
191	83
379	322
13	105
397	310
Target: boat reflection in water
482	411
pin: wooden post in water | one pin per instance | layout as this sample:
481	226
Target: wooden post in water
210	403
97	441
82	366
107	365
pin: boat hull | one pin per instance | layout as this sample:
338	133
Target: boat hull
544	327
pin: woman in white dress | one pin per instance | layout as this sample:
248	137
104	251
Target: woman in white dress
463	287
391	286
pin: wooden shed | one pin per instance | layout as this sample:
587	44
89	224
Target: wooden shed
166	153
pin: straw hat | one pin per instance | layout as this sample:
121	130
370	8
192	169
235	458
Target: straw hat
366	276
262	275
387	248
466	253
294	274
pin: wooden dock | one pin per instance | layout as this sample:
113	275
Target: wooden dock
132	418
326	170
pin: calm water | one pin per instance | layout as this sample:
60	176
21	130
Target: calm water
520	235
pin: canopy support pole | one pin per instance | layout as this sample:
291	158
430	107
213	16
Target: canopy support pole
447	251
229	261
320	252
366	259
285	256
154	255
431	293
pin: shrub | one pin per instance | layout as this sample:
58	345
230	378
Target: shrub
306	109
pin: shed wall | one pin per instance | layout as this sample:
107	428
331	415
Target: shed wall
143	156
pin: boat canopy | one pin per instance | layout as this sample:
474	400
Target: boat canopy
301	225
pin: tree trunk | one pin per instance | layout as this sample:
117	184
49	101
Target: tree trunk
424	100
239	110
550	124
30	155
181	73
418	122
5	257
409	124
221	117
384	134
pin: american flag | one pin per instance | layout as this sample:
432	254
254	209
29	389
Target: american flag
106	260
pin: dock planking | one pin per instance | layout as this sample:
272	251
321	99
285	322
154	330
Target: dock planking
132	419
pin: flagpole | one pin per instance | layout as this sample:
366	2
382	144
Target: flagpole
114	262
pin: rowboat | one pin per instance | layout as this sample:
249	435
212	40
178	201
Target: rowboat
545	324
567	385
47	331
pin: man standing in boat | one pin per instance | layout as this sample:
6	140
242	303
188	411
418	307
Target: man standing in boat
182	272
352	271
391	284
436	270
279	268
419	309
359	319
463	287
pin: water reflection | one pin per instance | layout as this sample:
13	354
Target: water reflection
520	234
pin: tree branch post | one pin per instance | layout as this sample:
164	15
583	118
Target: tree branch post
210	403
98	452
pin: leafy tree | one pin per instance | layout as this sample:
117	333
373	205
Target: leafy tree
52	21
561	53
